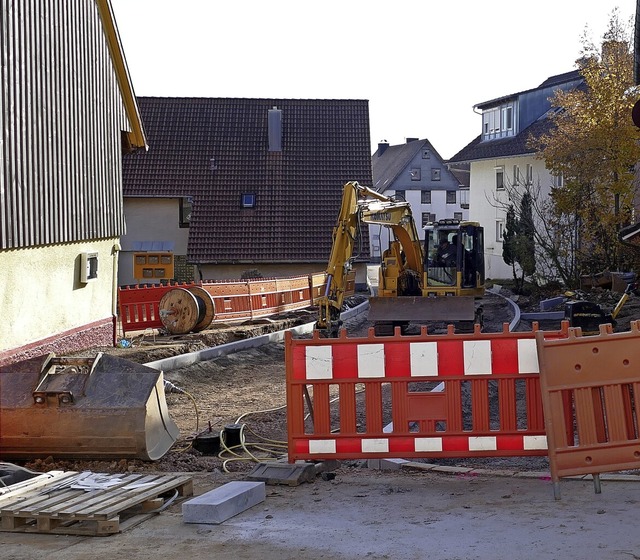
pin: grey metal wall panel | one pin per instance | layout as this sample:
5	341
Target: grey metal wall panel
61	117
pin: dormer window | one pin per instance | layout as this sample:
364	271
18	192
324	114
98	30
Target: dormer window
507	118
498	122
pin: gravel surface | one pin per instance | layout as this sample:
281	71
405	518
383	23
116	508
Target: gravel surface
248	388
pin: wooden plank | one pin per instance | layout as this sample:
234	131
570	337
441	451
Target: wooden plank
30	485
91	513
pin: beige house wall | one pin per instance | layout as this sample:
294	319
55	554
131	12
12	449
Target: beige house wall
150	219
42	288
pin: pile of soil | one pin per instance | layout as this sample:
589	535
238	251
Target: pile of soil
247	391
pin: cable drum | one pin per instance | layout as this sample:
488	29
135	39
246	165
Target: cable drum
186	310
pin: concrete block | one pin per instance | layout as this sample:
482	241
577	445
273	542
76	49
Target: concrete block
386	464
548	304
283	473
218	505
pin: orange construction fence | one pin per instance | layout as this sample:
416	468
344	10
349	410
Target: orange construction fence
590	389
451	395
232	300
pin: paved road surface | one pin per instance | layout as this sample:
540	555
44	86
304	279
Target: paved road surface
374	515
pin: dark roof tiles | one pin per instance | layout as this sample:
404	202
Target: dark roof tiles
325	143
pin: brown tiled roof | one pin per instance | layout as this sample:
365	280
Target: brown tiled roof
325	143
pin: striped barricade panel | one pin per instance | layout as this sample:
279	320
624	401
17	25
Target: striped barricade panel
453	395
139	305
590	387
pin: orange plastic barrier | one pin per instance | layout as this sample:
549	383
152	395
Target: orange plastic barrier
590	390
138	305
233	300
453	395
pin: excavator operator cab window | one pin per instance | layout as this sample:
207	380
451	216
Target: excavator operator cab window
442	257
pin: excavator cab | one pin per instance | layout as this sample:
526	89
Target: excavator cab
454	263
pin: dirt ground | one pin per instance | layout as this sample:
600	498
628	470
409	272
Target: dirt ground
505	510
247	388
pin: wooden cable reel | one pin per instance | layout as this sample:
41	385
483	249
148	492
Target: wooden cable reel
186	310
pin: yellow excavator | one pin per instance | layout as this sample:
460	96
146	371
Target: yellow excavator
435	280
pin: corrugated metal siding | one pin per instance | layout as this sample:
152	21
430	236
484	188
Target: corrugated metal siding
61	117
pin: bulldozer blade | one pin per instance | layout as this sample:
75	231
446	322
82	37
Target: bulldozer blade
92	408
418	309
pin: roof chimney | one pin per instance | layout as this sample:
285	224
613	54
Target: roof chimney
382	146
411	140
275	129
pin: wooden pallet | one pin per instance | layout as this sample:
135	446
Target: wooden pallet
51	504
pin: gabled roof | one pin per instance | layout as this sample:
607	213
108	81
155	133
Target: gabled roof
216	149
390	161
135	137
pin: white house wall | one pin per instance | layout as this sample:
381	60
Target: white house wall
438	206
484	204
150	219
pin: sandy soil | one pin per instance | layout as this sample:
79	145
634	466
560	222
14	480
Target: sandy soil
361	513
248	388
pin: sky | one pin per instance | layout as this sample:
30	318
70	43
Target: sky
422	65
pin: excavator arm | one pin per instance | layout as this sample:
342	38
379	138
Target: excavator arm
362	204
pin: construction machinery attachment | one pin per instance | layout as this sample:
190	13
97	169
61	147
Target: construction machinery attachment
103	407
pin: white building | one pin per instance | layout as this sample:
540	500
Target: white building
415	172
500	157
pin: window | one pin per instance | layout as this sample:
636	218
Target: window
457	216
427	217
499	178
507	118
415	174
400	195
426	154
558	179
435	174
516	175
529	178
499	230
248	200
425	197
451	197
186	204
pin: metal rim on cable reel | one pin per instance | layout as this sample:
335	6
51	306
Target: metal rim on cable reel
186	310
206	305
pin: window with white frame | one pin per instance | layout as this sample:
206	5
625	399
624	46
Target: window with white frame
499	230
499	178
507	117
516	175
400	195
425	197
529	178
451	197
457	216
558	179
427	217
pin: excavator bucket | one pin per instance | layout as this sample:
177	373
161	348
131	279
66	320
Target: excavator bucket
420	309
103	407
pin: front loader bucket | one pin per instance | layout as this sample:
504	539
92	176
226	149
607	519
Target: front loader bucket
417	309
93	408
